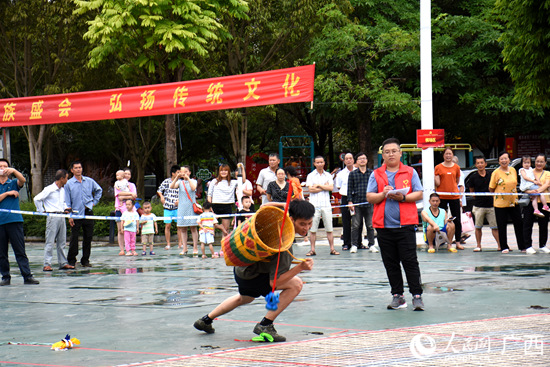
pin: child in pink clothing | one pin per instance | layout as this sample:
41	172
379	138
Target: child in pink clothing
130	222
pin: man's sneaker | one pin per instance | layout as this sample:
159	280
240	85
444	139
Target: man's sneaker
530	251
353	249
397	302
203	326
418	305
544	250
269	329
374	249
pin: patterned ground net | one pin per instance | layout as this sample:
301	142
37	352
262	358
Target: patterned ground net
510	341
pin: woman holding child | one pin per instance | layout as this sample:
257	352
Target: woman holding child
542	180
186	216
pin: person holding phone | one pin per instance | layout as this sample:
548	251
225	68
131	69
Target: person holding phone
434	221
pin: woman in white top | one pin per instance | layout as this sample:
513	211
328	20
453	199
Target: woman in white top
221	193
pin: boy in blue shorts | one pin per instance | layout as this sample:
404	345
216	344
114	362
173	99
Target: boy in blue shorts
206	222
169	199
434	221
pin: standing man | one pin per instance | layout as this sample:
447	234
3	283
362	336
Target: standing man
82	193
11	225
394	218
320	183
483	205
357	189
170	200
341	184
267	175
52	200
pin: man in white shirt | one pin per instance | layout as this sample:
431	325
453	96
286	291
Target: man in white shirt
341	184
267	175
320	183
52	200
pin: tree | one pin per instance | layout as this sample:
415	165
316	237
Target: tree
274	35
358	70
40	56
526	51
157	41
473	95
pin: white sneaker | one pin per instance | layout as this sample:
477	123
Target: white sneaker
530	251
374	249
544	250
353	249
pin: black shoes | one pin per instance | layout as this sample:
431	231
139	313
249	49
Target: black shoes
87	265
31	280
203	326
5	282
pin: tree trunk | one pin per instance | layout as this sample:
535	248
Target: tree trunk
364	127
35	136
171	148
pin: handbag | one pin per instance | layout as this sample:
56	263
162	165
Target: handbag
524	200
467	222
196	207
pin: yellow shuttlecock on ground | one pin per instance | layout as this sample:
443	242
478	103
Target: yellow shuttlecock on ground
66	343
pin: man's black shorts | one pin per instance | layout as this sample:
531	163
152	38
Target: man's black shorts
256	287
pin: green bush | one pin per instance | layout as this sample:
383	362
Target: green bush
35	225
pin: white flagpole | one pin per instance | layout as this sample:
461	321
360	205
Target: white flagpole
426	104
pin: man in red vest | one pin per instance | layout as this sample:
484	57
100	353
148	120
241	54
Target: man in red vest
393	189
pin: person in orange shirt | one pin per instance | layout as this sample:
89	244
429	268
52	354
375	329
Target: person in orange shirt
447	176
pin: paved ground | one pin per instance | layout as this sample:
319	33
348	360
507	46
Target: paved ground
481	309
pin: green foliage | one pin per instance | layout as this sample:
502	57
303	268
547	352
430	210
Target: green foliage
526	51
155	37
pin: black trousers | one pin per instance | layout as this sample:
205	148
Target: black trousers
398	247
13	233
454	205
528	219
87	226
346	222
502	215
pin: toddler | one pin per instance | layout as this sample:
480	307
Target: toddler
148	229
247	207
130	219
528	182
206	223
121	183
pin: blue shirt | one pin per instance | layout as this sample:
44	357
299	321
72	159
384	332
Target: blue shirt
10	202
81	195
392	217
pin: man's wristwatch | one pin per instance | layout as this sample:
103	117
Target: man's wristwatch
404	198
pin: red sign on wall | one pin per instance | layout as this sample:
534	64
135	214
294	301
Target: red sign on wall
247	90
433	138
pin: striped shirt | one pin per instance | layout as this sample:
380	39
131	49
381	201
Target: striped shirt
171	196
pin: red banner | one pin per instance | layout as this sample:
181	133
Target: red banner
433	138
247	90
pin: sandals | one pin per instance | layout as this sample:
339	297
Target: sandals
311	253
334	252
477	249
